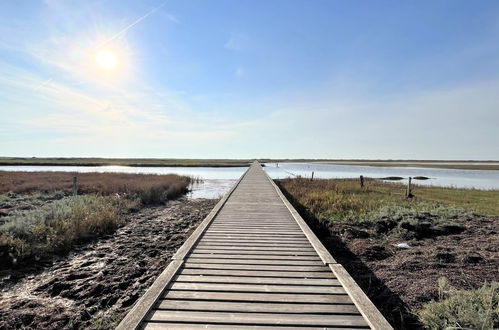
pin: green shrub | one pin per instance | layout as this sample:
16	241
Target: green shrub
55	227
463	309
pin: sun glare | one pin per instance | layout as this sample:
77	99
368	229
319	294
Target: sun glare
106	59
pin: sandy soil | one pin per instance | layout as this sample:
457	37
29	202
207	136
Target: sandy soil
97	284
398	280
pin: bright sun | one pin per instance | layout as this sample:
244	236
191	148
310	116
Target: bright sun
106	59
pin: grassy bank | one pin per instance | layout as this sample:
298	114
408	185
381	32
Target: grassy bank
42	218
135	162
149	188
384	239
345	200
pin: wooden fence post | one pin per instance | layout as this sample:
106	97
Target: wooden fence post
362	181
312	178
408	192
75	186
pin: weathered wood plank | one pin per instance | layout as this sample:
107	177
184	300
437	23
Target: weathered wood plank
253	261
253	248
133	319
254	256
363	303
257	252
253	307
268	288
259	267
256	273
257	280
258	318
263	297
179	326
249	244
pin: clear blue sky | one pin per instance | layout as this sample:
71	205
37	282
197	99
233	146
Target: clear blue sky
250	78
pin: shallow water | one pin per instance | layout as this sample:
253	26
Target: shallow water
479	179
216	181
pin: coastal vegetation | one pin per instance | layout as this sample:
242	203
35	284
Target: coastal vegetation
463	309
41	217
384	239
179	162
134	162
148	188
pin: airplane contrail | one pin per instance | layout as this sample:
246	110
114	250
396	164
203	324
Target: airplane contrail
137	21
46	82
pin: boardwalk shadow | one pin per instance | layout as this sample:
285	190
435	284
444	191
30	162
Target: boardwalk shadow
387	301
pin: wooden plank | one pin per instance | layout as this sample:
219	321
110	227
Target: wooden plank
257	252
258	318
256	273
253	261
183	326
252	307
258	267
371	314
268	288
318	246
256	239
246	234
267	245
260	297
191	241
133	319
257	280
254	256
232	241
254	248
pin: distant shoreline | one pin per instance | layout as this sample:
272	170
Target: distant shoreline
172	162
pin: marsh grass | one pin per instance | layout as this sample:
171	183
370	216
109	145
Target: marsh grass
463	309
57	226
135	162
345	200
148	188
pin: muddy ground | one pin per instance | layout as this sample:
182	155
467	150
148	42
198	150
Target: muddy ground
401	279
94	286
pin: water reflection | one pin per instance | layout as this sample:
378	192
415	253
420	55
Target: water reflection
216	181
480	179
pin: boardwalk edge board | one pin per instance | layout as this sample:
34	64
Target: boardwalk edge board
142	307
371	314
330	282
316	244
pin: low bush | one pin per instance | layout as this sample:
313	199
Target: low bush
463	309
55	227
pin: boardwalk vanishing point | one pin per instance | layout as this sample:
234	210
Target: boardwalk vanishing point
253	263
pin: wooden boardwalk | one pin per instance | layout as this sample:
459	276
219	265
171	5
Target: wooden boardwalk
253	263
